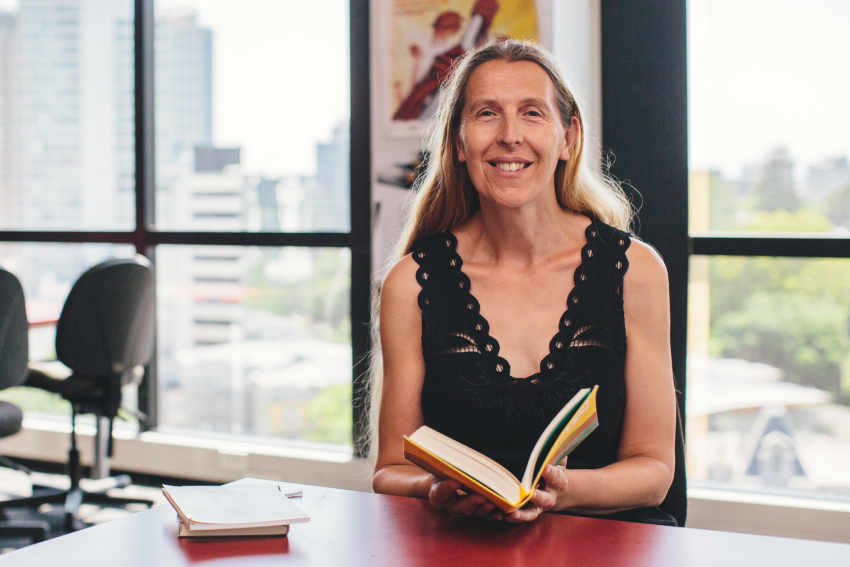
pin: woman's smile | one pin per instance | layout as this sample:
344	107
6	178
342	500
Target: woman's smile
509	165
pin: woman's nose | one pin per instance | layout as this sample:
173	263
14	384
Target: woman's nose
510	133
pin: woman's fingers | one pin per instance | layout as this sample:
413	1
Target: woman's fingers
545	498
443	495
527	513
467	505
556	488
442	491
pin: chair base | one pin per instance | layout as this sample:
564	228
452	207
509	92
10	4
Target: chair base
33	530
72	498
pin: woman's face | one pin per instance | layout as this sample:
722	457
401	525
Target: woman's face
511	136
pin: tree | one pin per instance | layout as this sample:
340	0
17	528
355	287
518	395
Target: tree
804	335
775	186
837	205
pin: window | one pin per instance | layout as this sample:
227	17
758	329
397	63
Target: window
712	110
213	137
768	370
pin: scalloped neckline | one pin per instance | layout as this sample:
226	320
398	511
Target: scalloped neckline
565	315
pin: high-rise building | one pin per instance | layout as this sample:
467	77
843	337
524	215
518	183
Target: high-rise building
183	60
7	125
74	114
329	199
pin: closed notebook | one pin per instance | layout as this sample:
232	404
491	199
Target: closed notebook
233	510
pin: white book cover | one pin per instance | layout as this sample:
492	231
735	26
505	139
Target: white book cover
233	506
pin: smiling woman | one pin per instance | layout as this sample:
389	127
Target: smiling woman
511	211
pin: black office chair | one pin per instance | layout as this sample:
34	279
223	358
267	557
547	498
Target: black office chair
676	501
104	335
14	345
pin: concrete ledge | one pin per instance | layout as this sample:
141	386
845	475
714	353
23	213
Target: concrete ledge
201	458
766	514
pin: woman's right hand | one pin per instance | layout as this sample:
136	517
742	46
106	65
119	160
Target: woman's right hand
444	495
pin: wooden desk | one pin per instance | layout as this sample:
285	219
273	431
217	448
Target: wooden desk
353	528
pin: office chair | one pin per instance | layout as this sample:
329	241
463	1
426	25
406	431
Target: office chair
676	501
14	344
105	333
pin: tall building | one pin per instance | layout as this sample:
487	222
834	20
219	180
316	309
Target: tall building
329	199
74	114
8	194
183	58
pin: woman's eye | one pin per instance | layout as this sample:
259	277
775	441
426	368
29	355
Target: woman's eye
486	113
535	113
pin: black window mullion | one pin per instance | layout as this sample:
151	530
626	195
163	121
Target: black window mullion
143	93
805	247
361	215
644	125
67	236
304	239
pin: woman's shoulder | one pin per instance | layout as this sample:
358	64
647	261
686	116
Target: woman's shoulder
647	274
401	277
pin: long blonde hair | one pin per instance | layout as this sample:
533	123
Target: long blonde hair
446	196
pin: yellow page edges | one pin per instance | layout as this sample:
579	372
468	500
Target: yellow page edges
575	428
433	464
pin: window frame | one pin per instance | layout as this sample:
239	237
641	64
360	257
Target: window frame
145	237
645	125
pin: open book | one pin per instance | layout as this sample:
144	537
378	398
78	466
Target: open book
255	509
447	458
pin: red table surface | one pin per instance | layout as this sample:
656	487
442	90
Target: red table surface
355	528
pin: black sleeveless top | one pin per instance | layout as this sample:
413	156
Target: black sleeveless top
469	393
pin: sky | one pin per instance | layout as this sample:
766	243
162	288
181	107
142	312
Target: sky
280	77
762	74
767	73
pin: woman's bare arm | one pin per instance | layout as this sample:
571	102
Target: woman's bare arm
403	375
401	402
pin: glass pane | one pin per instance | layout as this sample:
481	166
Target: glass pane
767	101
47	272
255	341
66	115
252	115
769	373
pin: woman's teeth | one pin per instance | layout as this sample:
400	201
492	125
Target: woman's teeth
513	166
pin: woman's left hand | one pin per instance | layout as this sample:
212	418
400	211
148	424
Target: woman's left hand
551	494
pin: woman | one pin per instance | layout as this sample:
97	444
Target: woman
510	240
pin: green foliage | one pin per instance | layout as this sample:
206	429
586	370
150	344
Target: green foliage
787	312
836	205
36	400
802	334
328	416
804	219
722	204
322	299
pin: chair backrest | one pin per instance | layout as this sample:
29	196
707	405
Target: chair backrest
107	323
14	342
676	501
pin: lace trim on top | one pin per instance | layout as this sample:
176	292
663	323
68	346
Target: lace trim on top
478	340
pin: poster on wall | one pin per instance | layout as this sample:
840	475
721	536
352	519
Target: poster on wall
425	37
